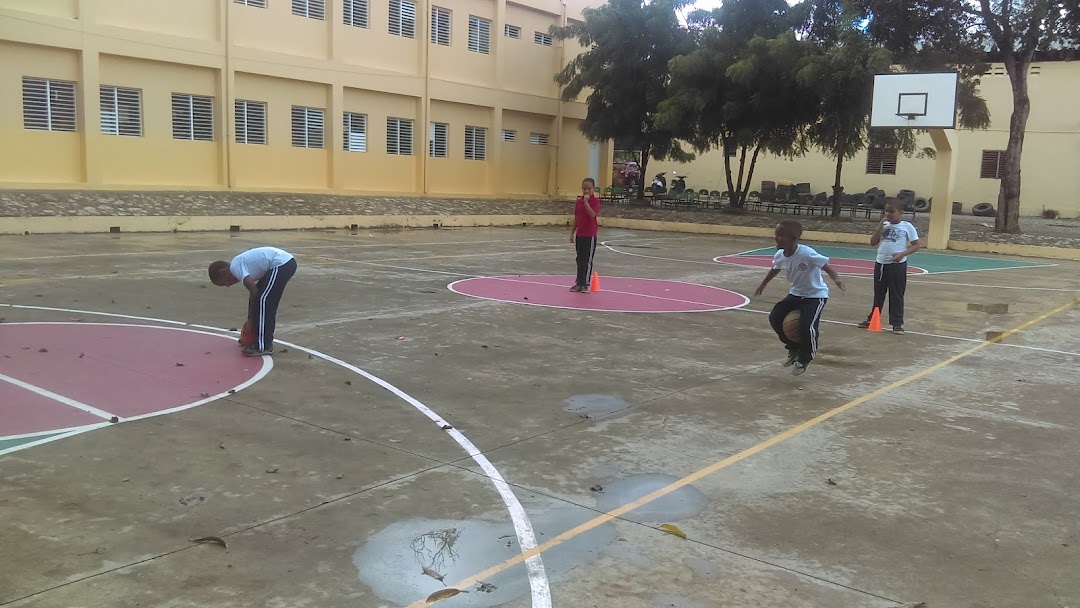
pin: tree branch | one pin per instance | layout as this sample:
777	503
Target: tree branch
994	24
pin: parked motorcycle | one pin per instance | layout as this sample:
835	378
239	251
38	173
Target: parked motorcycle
678	185
659	184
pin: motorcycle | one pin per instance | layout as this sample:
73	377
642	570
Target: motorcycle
678	185
659	184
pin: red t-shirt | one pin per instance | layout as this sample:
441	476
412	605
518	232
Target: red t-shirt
586	225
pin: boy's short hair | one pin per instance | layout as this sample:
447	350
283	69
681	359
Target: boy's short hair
215	270
590	180
791	227
894	203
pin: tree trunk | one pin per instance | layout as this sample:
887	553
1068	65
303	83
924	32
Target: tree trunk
736	195
644	166
837	188
1008	208
727	174
749	176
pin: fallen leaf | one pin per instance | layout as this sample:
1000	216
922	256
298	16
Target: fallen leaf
284	350
486	588
43	350
830	482
217	540
913	605
597	488
443	594
348	382
311	356
446	427
483	346
179	365
81	355
272	470
205	395
341	477
433	574
673	529
232	390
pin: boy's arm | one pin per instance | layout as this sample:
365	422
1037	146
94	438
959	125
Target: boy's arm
589	208
252	285
829	270
876	237
768	277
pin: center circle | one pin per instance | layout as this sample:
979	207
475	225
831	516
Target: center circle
617	294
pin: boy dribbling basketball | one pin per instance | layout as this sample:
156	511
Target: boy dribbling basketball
808	293
264	271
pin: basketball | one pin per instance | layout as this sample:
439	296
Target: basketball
247	335
791	326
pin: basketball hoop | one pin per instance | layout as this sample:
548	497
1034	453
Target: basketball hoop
909	116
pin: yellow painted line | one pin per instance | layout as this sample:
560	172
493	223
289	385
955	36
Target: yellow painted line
730	460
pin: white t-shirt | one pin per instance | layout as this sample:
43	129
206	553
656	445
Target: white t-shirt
894	239
255	263
803	271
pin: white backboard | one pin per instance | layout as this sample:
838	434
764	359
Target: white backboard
914	100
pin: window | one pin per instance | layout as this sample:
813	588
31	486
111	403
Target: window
192	117
250	122
312	9
542	39
255	3
356	13
440	26
403	18
48	105
307	127
881	161
475	143
512	31
538	139
993	164
437	140
509	135
399	136
479	35
354	126
121	111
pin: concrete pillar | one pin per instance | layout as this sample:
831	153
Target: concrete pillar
945	142
335	137
495	153
89	118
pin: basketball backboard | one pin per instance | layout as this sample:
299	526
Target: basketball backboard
914	100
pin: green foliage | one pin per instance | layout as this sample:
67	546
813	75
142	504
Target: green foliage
626	67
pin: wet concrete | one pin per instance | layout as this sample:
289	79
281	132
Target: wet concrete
952	490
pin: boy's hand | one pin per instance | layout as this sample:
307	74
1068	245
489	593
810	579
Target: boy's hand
840	284
898	257
571	237
760	290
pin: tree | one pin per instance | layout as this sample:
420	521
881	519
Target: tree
739	90
629	46
1012	30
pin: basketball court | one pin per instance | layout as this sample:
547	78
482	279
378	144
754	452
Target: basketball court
441	406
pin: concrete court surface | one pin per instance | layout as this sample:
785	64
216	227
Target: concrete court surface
955	485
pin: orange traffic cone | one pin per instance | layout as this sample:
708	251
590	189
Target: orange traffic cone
595	285
875	320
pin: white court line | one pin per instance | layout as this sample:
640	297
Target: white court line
942	336
298	247
44	392
538	580
654	257
916	282
626	293
64	434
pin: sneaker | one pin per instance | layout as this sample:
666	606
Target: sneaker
577	289
864	325
799	369
898	330
253	351
792	357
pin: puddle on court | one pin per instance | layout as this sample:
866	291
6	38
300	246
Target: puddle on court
595	406
684	503
392	561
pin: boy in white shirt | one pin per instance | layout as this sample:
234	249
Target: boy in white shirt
264	271
895	239
808	293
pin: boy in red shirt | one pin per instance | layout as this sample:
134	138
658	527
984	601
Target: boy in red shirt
583	232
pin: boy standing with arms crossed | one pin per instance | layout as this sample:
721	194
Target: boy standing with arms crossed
895	239
808	293
583	233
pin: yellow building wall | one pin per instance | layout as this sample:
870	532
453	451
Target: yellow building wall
375	170
279	165
230	51
198	19
36	156
454	174
156	158
1048	165
525	166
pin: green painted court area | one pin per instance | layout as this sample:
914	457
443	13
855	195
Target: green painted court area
933	263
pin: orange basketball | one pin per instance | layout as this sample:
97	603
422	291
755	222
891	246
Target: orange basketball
247	335
791	325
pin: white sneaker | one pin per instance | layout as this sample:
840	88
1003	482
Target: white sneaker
799	369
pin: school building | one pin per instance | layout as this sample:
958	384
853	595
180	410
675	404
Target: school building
1050	166
442	97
